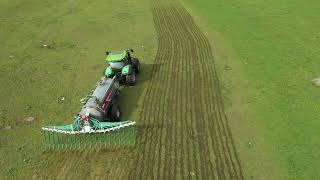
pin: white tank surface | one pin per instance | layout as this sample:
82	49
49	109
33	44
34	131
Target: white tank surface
98	104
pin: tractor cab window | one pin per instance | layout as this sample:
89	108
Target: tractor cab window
116	65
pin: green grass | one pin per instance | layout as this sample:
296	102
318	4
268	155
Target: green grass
34	79
273	48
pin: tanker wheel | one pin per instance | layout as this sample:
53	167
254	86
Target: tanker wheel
114	113
131	79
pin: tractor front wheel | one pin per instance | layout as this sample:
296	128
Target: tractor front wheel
115	113
131	79
136	65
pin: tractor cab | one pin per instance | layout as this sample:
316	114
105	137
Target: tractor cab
122	65
117	60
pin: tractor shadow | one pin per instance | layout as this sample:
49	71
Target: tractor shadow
130	98
146	73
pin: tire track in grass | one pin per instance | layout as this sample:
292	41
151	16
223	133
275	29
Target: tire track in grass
180	81
192	118
159	152
201	56
182	153
205	117
176	70
186	61
229	142
200	118
162	136
201	127
151	95
163	108
148	120
189	119
215	144
169	115
137	168
169	119
220	129
148	109
196	171
223	119
179	114
179	93
165	130
221	111
161	118
168	128
183	46
211	76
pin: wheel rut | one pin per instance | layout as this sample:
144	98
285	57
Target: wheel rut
187	131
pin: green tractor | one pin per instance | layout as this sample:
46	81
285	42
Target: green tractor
122	65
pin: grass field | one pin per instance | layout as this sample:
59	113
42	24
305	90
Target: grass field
273	49
34	79
224	92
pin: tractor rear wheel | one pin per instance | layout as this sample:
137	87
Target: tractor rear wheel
114	113
131	79
136	65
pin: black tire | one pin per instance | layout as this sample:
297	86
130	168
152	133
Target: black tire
131	79
136	65
114	113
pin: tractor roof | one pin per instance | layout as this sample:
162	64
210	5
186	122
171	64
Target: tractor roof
116	56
